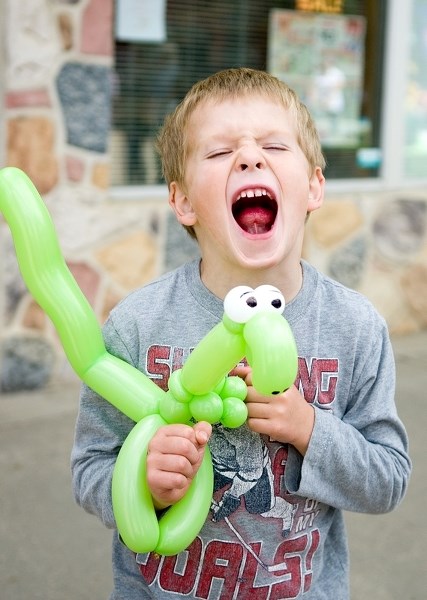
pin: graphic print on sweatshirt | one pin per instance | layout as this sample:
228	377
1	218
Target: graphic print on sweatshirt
259	540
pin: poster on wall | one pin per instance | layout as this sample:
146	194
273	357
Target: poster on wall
141	20
321	56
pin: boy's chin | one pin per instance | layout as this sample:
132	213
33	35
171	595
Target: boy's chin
252	256
258	249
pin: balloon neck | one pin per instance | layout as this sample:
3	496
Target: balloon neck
232	326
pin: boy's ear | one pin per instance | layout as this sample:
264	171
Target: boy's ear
316	190
181	205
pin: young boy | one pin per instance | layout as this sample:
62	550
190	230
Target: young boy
244	167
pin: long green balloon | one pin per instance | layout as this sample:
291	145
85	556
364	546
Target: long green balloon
52	285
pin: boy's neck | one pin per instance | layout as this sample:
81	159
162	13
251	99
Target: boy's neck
288	279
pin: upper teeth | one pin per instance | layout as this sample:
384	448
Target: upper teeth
254	192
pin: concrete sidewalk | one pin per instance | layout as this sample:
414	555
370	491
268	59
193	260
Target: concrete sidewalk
51	550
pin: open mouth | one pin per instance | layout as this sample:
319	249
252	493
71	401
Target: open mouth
255	210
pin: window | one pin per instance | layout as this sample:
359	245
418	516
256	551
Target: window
201	37
415	150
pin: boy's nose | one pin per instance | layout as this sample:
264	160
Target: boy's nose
250	158
243	165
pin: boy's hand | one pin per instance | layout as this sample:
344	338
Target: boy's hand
285	417
174	456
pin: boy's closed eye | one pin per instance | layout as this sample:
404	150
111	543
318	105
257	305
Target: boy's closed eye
269	147
278	147
218	153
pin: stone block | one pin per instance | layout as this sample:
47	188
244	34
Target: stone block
131	261
85	96
381	284
75	168
347	262
334	222
27	363
400	228
66	30
32	43
34	317
87	279
28	98
97	21
101	176
30	146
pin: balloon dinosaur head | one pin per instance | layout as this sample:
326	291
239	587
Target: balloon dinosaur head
269	344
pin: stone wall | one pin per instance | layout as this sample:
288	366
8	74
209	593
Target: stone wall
376	243
57	98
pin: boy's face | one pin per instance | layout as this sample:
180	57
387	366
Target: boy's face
247	187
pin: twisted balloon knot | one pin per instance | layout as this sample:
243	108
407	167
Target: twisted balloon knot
224	404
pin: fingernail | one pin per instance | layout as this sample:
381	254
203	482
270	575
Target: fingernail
203	437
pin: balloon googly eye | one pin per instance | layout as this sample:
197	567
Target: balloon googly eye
269	298
240	304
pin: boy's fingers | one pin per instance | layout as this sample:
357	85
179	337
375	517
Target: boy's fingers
244	373
177	430
202	432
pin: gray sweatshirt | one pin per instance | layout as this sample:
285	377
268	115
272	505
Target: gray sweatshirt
275	529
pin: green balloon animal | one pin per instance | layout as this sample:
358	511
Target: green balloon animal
252	326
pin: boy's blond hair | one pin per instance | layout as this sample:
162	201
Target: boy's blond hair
232	83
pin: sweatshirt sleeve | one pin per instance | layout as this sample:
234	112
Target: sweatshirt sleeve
99	434
358	462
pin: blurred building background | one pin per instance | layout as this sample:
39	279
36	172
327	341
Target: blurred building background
85	84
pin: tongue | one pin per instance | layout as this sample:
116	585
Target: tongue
255	219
